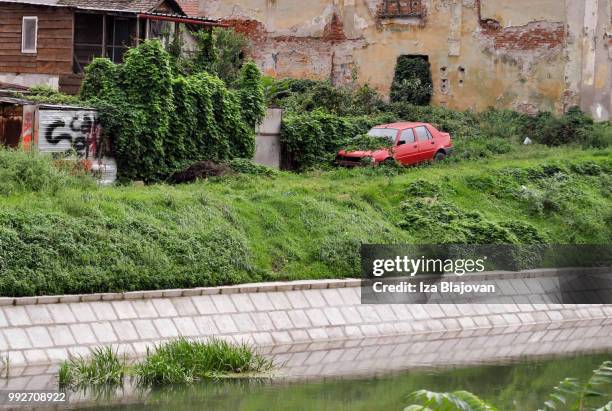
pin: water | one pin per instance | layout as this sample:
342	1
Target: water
520	386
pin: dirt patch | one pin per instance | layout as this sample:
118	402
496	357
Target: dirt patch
200	170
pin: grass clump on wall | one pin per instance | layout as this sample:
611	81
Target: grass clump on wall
182	362
103	367
179	361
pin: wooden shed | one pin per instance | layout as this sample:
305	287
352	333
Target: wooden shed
51	41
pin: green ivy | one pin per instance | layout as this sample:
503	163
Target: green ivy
412	81
160	122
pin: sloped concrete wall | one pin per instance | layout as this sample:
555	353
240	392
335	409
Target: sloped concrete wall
43	331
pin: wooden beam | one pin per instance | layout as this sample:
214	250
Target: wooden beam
104	35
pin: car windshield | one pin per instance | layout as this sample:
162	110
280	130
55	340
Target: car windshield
388	133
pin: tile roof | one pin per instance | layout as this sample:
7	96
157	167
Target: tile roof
190	7
119	5
134	6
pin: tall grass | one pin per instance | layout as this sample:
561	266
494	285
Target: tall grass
182	361
28	171
104	367
179	361
250	228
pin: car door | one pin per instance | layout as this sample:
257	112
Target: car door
407	149
426	144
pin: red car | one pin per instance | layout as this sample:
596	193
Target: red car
413	143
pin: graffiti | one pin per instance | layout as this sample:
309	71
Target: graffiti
70	130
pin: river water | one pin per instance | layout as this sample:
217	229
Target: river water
520	386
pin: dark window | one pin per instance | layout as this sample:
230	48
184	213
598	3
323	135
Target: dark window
423	134
407	137
87	39
96	35
119	37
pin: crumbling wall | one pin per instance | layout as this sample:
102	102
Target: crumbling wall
518	54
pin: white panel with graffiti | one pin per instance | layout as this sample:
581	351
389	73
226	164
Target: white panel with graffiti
65	130
75	132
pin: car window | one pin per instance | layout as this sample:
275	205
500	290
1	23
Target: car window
389	133
422	133
407	136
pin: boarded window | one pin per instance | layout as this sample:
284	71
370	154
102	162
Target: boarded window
401	8
29	34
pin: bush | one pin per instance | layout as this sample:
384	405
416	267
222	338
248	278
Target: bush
246	166
299	96
315	138
101	79
574	127
160	123
412	81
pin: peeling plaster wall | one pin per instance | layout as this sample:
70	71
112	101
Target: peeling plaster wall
521	54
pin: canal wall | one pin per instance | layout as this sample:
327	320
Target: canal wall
291	319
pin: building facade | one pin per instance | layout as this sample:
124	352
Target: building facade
50	42
521	54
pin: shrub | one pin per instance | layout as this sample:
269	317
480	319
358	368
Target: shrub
574	127
315	138
182	361
412	81
252	99
160	123
101	79
246	166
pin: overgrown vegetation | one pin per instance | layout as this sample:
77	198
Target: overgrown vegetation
570	394
320	119
179	361
64	238
28	172
161	121
412	81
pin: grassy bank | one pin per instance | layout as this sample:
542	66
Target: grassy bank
57	236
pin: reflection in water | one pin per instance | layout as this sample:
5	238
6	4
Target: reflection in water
520	386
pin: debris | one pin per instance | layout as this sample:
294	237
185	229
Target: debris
202	169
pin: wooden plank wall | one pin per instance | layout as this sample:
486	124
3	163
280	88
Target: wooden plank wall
54	51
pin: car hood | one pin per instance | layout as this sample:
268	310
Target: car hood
365	153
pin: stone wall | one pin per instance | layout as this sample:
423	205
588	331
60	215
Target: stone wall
520	54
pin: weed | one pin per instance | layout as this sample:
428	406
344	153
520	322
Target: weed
103	367
182	361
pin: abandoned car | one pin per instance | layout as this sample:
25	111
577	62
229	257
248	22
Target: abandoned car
411	143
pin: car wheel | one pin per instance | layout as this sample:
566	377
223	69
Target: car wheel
440	156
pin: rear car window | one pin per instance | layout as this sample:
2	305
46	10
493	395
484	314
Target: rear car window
423	134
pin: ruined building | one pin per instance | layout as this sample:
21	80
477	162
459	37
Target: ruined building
527	55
